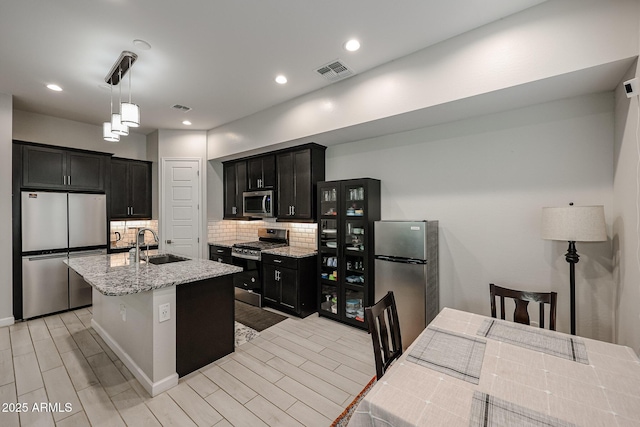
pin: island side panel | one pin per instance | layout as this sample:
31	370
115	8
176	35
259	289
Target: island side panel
145	346
205	317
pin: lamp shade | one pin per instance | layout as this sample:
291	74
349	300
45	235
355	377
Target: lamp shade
574	224
117	127
107	134
130	114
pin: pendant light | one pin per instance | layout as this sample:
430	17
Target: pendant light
117	126
107	133
130	113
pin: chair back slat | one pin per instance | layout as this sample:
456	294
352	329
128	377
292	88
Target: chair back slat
382	320
522	299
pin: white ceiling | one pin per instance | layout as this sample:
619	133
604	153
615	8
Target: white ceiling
218	57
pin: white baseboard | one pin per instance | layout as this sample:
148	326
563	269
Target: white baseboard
152	388
7	321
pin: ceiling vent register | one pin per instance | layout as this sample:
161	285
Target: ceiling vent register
335	70
182	108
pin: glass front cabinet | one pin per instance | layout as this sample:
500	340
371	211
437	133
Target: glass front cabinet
347	211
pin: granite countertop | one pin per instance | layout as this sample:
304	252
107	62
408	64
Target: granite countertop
228	243
113	274
292	251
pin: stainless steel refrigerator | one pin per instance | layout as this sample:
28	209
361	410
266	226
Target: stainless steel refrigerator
406	262
56	226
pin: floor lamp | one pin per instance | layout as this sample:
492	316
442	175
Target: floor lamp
574	224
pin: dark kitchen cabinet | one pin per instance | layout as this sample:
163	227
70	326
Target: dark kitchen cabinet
220	254
130	195
289	284
262	172
45	167
298	172
346	214
235	183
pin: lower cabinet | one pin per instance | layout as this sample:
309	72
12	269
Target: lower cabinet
205	315
288	284
220	253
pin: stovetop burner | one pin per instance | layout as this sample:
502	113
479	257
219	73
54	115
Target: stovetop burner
259	245
270	238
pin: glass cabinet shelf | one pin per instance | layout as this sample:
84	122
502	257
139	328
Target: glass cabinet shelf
347	212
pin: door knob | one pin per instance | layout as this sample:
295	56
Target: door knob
168	242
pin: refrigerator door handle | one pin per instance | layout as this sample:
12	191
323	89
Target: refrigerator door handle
46	256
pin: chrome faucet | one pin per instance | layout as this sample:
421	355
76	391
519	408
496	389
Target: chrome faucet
141	233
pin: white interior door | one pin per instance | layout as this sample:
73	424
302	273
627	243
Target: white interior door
181	203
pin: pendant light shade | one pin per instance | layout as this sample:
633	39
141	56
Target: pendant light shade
130	114
107	135
117	127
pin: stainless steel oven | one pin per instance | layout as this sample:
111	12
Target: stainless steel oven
258	204
248	283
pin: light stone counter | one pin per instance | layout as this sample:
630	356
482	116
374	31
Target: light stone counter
292	251
142	315
228	243
113	275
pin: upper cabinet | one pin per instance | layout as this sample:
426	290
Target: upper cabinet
60	169
130	195
298	172
292	173
235	183
262	172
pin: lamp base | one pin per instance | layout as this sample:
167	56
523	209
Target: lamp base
572	258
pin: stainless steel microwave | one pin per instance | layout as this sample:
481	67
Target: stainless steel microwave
258	203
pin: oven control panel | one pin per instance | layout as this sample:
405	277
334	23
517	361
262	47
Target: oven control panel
246	253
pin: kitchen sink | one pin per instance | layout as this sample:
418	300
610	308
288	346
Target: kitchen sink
165	259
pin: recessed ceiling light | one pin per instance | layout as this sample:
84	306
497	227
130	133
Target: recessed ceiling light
281	79
54	87
352	45
186	122
141	44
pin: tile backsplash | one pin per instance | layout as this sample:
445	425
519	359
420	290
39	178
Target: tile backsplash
300	234
128	229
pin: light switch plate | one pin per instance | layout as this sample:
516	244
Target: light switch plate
164	312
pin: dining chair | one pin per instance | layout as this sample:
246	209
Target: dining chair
522	299
382	319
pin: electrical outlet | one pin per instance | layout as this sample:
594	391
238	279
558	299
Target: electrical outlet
123	312
164	312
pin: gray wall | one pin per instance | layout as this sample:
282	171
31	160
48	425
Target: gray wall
68	133
626	256
6	279
486	180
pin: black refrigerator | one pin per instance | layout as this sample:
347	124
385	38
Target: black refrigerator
56	226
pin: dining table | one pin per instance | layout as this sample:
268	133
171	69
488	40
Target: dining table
467	369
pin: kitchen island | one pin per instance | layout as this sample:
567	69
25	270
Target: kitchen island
163	321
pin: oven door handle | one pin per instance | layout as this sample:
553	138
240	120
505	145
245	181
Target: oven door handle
250	257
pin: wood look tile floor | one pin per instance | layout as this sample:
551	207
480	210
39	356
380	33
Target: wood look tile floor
300	372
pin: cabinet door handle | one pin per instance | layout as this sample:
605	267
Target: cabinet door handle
220	251
64	179
131	210
277	260
293	210
69	180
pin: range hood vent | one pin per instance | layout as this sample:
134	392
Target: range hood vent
335	70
